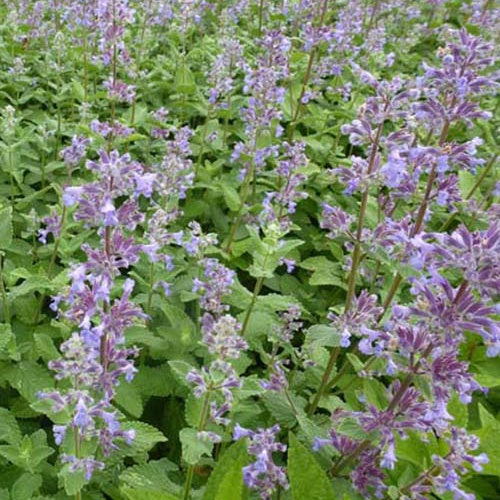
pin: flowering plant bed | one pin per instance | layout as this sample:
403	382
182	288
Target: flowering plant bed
249	249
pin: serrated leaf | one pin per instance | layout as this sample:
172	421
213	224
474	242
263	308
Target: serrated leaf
182	327
45	347
193	448
72	482
29	378
184	81
356	363
180	370
375	393
154	381
231	197
489	435
323	336
278	406
32	284
9	428
459	411
6	231
127	397
132	494
6	337
226	480
150	476
466	181
307	478
26	486
193	409
146	436
325	272
344	490
29	452
251	387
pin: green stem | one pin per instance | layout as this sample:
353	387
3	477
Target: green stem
43	167
338	376
11	176
5	300
307	76
474	188
324	380
52	262
151	287
226	120
290	402
104	338
85	69
239	215
351	286
78	494
372	19
422	209
201	426
140	55
261	15
367	365
405	384
256	290
202	146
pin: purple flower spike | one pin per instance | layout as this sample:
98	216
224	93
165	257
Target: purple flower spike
263	475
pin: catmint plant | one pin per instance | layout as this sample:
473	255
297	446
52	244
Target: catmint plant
249	249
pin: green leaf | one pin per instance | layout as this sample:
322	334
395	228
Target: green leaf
307	478
180	370
72	482
146	436
45	347
29	378
9	429
489	434
184	81
459	411
226	480
193	408
26	486
356	363
182	329
323	336
193	448
29	452
131	494
375	393
231	197
128	397
32	284
154	381
325	272
6	231
6	337
150	476
413	450
345	491
466	182
279	407
488	372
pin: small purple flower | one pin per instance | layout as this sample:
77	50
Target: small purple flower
263	475
53	224
73	154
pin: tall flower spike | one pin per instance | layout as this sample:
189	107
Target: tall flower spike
263	475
